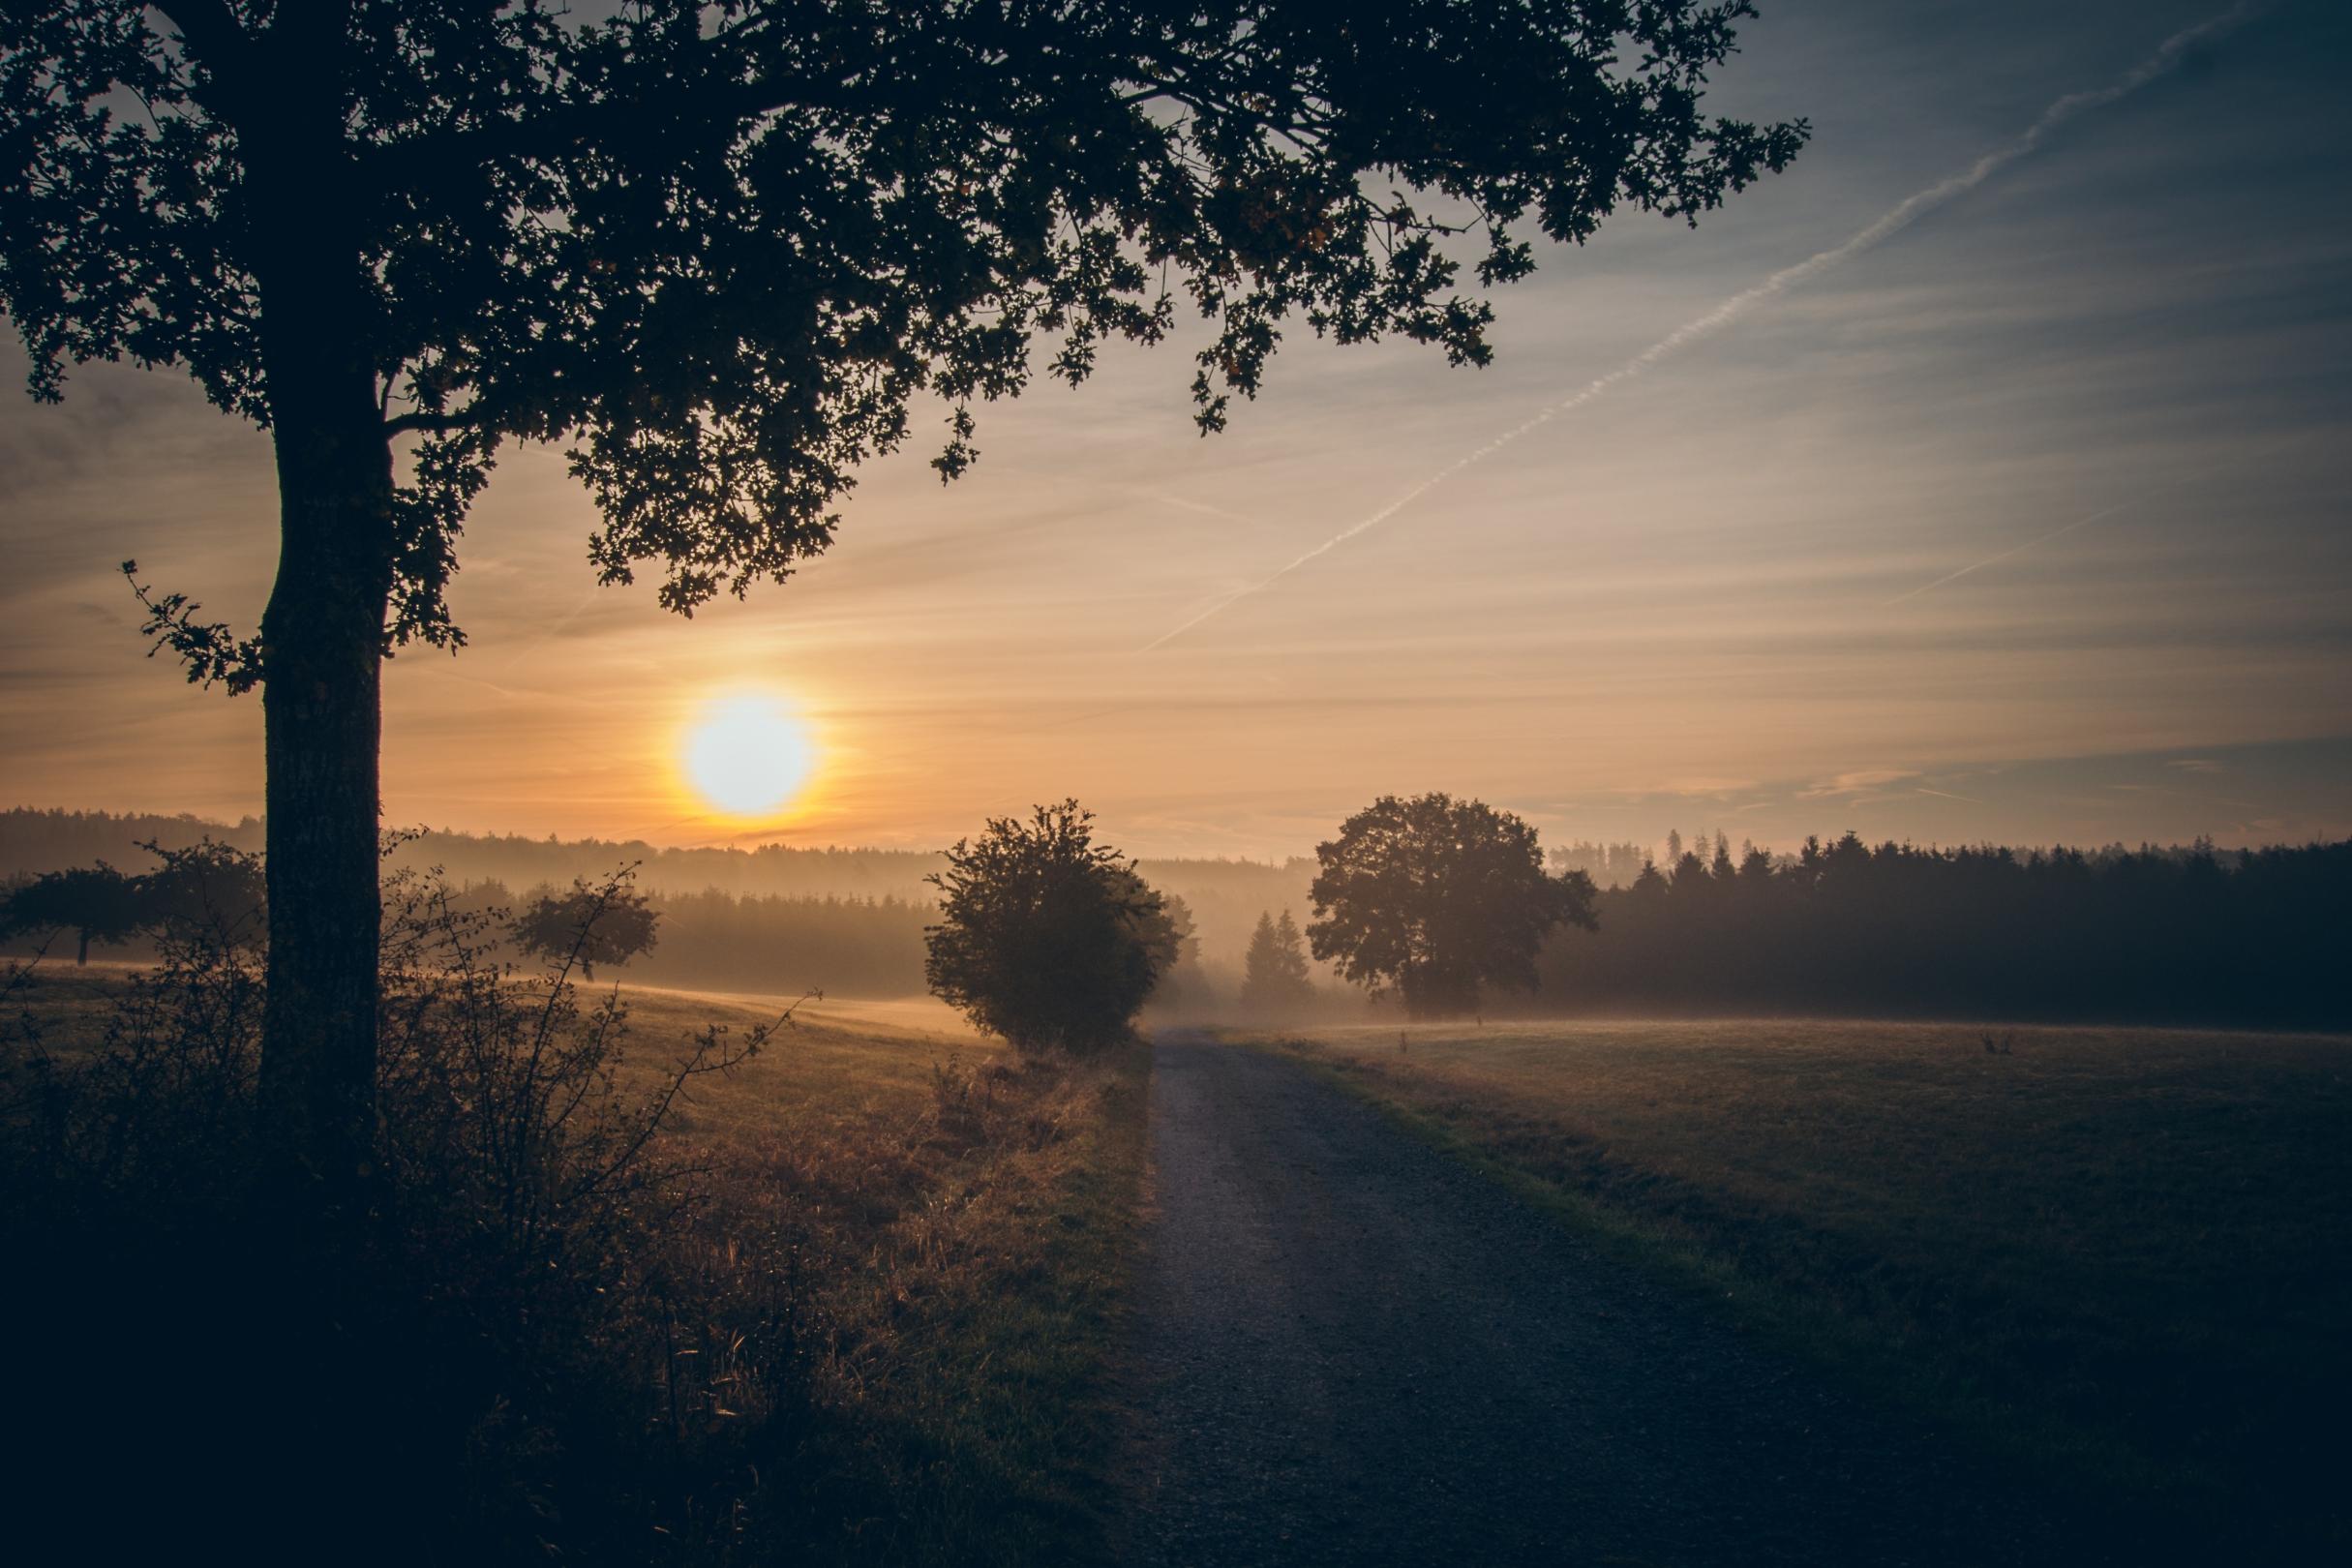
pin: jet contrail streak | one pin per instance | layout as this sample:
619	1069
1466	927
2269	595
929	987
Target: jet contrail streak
1892	222
2013	550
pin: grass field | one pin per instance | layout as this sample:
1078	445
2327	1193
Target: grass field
909	1263
964	1220
2122	1258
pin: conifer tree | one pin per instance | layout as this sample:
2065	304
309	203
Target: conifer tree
1274	978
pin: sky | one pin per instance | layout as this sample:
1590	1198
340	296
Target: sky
2026	523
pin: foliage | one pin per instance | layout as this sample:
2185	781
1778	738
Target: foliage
479	1321
204	888
1275	975
2185	935
97	903
1438	898
607	923
1045	937
723	250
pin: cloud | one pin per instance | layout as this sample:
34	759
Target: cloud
2197	764
1895	220
1857	782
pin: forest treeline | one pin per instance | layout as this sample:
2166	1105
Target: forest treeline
1225	896
2154	935
2188	934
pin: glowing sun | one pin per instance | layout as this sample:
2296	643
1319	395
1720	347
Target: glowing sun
748	755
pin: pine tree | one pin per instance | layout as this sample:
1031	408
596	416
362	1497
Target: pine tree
1274	978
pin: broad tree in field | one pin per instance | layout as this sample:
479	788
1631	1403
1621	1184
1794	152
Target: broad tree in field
606	922
1045	937
724	252
205	892
1438	898
97	903
1274	978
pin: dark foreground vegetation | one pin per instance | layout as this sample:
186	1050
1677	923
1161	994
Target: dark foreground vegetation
642	1279
2118	1261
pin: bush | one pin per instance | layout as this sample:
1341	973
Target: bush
514	1352
1046	938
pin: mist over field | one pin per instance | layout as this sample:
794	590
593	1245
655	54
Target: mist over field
2187	934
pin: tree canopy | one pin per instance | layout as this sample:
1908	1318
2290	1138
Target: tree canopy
605	923
1438	898
97	903
721	250
1045	937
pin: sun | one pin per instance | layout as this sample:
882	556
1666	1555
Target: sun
748	754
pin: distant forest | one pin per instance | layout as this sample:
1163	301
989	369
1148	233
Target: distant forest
775	918
2185	934
2191	935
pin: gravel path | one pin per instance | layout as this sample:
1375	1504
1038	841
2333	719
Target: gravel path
1352	1349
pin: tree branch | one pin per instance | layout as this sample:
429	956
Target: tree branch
612	121
209	31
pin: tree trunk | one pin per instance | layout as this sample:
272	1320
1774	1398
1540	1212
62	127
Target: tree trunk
323	655
81	955
323	634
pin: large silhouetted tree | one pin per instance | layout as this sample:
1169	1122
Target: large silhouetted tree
721	253
1438	898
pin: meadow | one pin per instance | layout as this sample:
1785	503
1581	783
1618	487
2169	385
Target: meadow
878	1331
2121	1260
962	1220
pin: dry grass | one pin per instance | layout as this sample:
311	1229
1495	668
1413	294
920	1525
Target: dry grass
961	1220
2119	1255
882	1335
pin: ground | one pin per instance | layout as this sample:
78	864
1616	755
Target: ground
2111	1259
1359	1351
1770	1291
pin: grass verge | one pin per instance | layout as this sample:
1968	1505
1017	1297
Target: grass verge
2117	1259
878	1331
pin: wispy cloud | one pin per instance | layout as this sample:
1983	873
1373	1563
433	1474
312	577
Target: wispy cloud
1897	218
1857	782
2013	550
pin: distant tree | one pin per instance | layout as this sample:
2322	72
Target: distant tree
205	889
1439	897
1276	979
1167	932
1045	937
604	922
720	253
97	903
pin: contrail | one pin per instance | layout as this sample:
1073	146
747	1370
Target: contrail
2013	550
1894	221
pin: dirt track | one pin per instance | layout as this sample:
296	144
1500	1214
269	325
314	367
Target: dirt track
1353	1349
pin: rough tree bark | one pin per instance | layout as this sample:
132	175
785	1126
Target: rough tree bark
322	648
323	634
